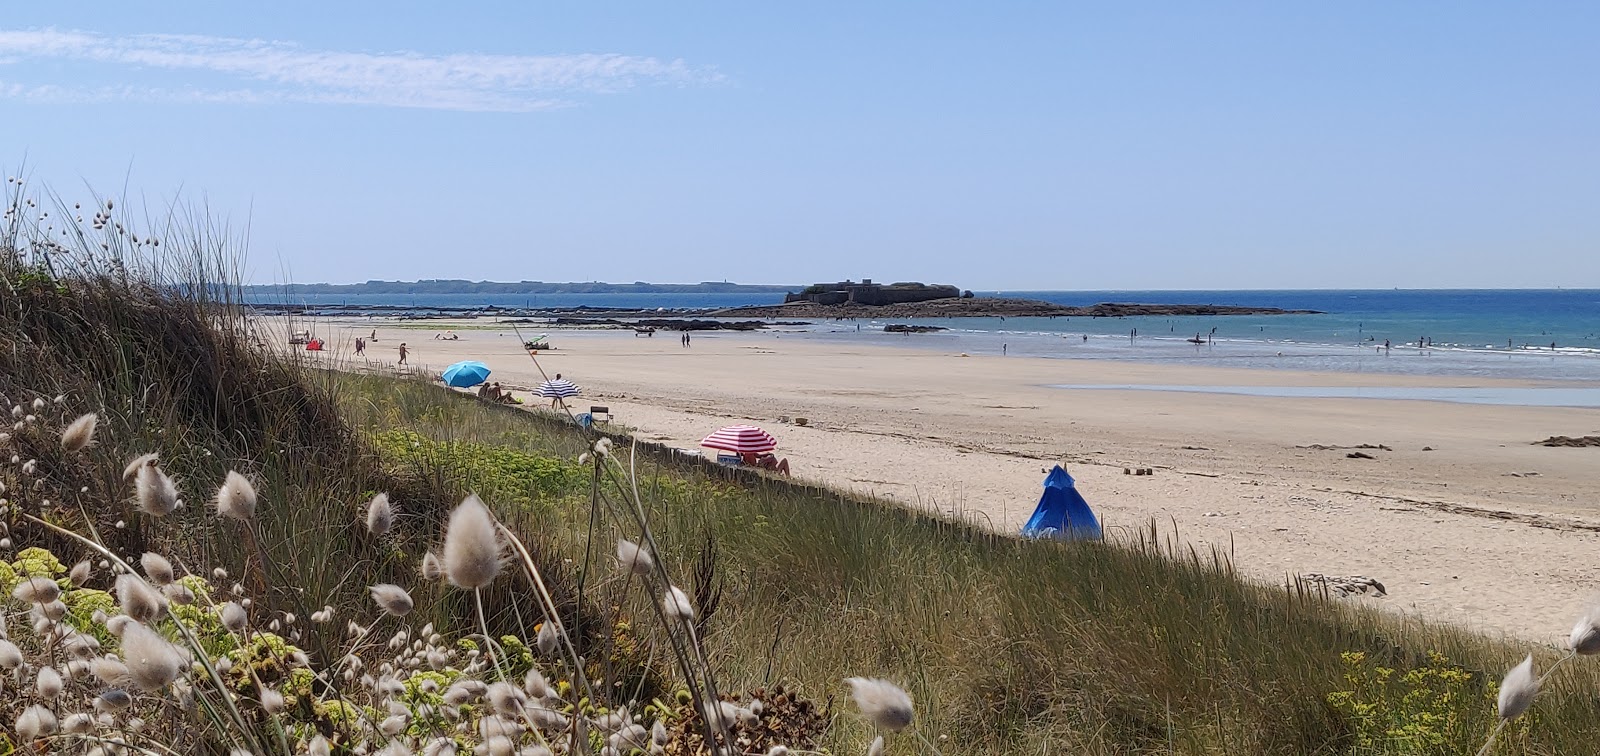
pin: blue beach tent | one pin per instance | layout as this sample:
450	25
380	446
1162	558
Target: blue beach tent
1062	513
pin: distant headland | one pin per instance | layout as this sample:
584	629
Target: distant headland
271	292
841	299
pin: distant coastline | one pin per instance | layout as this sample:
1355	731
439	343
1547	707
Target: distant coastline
280	292
988	307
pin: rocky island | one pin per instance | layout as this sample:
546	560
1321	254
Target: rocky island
849	299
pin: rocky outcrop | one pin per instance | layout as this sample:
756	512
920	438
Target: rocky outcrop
1569	441
903	328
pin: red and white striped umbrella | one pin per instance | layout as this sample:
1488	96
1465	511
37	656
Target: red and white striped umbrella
741	439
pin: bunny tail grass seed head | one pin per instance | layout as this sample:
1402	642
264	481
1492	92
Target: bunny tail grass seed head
33	723
157	568
36	590
432	568
80	434
152	662
882	701
876	749
48	683
155	493
1585	637
236	498
137	599
676	604
1518	689
80	573
547	638
471	548
380	515
234	617
138	463
392	599
634	558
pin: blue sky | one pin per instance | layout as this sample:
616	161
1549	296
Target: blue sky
989	145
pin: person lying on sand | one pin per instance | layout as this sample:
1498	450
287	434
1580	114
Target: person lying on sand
766	461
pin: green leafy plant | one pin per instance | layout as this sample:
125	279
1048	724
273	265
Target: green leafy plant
1426	710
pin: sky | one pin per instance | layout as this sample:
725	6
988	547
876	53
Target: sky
1005	145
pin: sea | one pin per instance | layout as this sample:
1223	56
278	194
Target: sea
1528	334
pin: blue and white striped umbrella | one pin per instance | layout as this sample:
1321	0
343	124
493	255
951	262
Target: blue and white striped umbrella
559	388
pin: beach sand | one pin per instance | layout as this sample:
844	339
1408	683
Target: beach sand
1485	530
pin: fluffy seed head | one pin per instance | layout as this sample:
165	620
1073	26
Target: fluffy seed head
392	599
506	698
237	497
178	593
876	749
81	572
432	568
234	617
471	547
48	682
1585	638
882	701
152	661
1518	689
676	604
380	515
109	670
634	558
547	639
81	723
34	722
137	599
271	701
10	656
36	590
157	568
80	434
135	464
154	491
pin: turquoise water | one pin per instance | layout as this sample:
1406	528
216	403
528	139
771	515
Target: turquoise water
1517	396
1480	333
1512	333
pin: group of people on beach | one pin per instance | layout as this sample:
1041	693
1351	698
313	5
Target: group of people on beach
494	392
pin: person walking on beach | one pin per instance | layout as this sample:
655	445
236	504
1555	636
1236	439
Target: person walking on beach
374	335
361	346
403	353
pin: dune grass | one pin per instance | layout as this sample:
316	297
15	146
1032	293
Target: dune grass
1017	647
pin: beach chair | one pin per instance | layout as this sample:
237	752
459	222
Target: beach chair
731	460
595	411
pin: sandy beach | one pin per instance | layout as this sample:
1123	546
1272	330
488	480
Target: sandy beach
1461	518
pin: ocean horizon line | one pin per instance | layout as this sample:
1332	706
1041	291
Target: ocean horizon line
975	290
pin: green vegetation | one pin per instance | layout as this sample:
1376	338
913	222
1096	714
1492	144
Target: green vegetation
1013	647
1006	646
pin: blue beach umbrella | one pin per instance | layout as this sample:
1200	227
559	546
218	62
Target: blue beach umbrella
466	373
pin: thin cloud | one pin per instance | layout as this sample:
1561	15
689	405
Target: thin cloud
274	71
